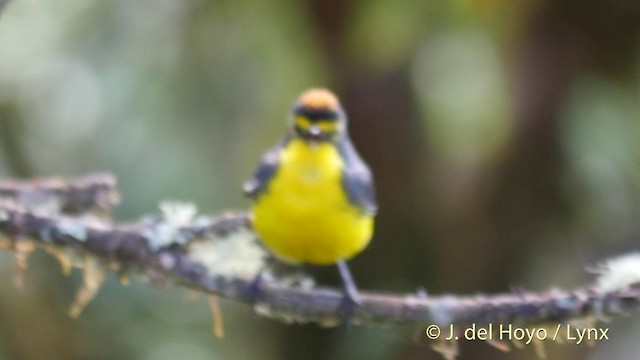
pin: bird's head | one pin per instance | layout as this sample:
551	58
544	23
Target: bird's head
317	116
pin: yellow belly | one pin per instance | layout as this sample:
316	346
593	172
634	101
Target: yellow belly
304	215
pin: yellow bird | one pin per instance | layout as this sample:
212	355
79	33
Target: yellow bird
314	199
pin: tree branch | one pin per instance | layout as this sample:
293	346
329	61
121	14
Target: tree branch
96	192
135	247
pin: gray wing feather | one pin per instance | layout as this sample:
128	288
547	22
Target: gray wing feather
269	164
357	179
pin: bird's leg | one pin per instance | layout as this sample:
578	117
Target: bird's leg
352	296
254	288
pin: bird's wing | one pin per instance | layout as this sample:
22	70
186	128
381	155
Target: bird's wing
357	179
267	168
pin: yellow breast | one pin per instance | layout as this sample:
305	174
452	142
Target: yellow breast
304	215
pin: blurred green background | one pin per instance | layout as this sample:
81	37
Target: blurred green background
503	136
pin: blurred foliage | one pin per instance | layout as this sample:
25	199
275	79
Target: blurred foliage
503	136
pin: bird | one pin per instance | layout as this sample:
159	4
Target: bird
313	196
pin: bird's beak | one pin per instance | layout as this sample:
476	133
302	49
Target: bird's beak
314	130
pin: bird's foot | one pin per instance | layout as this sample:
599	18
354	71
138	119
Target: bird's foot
351	299
349	303
254	288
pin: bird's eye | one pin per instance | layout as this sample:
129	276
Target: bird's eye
325	126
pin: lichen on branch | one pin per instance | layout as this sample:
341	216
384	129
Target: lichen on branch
220	255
